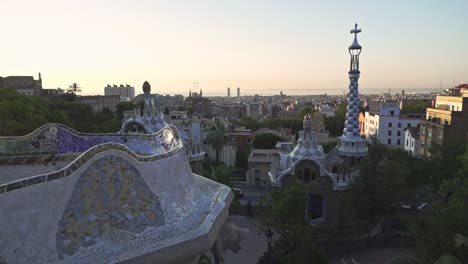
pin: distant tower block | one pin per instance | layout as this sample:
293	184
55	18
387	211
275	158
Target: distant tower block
229	91
351	143
238	91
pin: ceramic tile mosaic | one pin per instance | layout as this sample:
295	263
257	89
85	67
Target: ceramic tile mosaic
110	194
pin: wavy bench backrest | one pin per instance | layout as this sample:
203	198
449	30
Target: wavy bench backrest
167	141
59	139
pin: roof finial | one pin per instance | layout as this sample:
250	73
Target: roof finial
355	30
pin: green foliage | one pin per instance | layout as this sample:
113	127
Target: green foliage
327	147
335	125
266	141
440	230
20	114
242	157
387	177
74	88
416	107
295	242
216	137
445	163
287	209
204	260
303	112
218	173
123	106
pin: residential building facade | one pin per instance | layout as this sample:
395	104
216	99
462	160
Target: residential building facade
260	161
99	102
26	85
127	92
412	143
387	126
446	123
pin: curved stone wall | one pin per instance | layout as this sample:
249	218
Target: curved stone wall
112	208
115	202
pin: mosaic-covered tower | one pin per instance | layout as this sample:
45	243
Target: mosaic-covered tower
350	143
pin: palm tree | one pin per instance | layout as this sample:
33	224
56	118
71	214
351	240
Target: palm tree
216	137
74	88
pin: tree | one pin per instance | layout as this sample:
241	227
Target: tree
219	173
81	115
216	137
242	157
266	141
294	238
416	107
74	88
21	114
335	125
441	231
305	111
123	106
387	178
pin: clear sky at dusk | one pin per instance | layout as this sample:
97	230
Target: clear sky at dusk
261	46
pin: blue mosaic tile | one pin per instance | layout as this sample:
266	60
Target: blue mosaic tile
110	194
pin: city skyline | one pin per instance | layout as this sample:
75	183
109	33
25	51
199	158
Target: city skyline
263	47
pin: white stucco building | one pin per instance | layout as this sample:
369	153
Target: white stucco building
126	92
412	143
387	125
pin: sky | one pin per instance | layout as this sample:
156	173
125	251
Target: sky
261	46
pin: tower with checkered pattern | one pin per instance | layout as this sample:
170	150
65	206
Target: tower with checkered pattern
351	144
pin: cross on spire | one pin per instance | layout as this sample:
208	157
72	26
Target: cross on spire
355	30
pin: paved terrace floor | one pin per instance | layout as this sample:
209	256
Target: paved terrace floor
9	173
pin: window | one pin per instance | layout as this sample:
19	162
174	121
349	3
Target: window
314	175
409	125
315	206
300	174
412	143
334	169
389	132
398	142
392	112
389	142
398	133
399	125
390	124
306	175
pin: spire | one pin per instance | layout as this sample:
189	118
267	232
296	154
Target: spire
351	143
